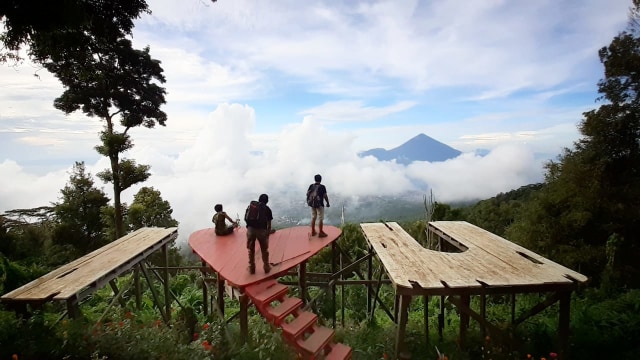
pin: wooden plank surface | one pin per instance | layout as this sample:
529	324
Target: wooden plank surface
70	279
489	259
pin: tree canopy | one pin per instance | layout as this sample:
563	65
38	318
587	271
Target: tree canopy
78	220
47	27
587	212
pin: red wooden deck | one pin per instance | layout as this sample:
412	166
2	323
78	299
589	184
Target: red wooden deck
228	255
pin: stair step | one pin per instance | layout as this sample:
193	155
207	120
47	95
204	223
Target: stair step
257	288
303	321
316	342
339	351
282	310
274	291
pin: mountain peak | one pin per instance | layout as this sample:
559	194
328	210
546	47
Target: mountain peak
419	148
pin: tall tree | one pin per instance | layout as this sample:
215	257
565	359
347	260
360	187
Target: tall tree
45	26
119	85
149	209
78	212
590	206
85	46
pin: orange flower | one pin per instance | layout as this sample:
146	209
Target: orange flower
205	326
157	323
384	356
553	355
195	336
14	357
529	356
121	323
128	315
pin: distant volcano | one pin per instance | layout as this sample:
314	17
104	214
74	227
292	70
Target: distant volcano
419	148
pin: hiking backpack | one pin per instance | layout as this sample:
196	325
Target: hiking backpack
313	196
253	214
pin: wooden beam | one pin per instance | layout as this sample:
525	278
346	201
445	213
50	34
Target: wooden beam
244	322
404	302
165	273
563	324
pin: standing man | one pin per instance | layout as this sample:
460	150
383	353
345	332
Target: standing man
316	196
258	218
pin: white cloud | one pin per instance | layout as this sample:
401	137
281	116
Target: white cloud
219	167
471	177
351	110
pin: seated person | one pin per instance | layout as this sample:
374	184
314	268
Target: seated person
219	219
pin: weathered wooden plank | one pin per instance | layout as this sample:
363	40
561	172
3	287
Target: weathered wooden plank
66	268
489	260
102	263
504	251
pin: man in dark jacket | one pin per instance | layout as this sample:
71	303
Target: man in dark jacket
259	229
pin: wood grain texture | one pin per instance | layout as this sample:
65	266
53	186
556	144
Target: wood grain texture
100	265
489	261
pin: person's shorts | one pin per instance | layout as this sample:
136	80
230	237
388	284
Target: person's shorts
318	212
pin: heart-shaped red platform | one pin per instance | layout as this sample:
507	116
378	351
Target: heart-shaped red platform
228	255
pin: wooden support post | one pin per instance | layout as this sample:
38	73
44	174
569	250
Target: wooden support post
404	301
441	318
369	276
396	305
342	292
220	282
464	319
302	281
483	314
373	307
165	274
205	289
563	323
425	300
154	293
137	287
513	309
73	309
114	288
244	318
334	269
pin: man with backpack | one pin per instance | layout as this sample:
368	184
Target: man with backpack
316	196
258	217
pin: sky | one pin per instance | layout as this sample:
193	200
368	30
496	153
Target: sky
263	95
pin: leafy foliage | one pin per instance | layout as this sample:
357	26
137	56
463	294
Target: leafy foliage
46	27
78	213
149	209
592	193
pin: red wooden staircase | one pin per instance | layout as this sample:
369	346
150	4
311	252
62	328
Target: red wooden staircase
299	328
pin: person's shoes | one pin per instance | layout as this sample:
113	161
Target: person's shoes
313	233
322	234
267	268
252	269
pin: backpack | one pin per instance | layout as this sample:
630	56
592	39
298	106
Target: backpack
313	196
253	214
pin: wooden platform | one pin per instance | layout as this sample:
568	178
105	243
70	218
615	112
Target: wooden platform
75	280
487	264
489	261
228	255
